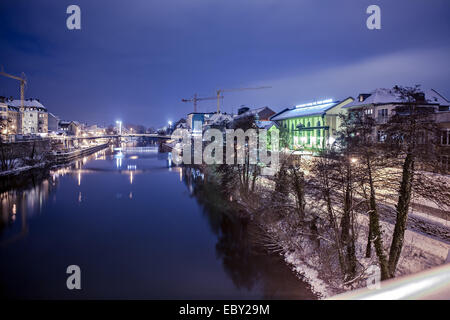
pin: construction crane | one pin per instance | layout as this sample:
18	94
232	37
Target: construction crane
195	99
23	82
220	91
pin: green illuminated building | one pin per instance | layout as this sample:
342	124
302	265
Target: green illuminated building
310	127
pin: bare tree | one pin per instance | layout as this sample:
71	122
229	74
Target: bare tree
413	133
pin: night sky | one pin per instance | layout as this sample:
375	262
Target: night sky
135	60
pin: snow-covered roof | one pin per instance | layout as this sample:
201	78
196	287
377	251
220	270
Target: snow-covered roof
26	103
388	96
264	124
181	125
296	112
253	112
68	122
219	118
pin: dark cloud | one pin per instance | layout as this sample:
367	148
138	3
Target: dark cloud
136	59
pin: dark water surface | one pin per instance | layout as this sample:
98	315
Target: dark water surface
138	230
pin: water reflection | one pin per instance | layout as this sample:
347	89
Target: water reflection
136	231
244	261
28	193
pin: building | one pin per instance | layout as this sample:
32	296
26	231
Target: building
9	117
261	114
70	128
33	117
53	122
94	130
381	104
310	127
195	121
269	126
443	121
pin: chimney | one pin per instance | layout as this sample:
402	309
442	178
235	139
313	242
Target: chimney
363	96
419	97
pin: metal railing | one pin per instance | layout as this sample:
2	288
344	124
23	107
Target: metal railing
432	284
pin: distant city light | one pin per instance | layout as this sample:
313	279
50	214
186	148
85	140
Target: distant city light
119	122
315	103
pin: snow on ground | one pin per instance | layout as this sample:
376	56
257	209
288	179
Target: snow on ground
308	273
426	245
419	252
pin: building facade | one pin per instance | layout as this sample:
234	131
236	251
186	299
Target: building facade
381	104
443	121
53	122
310	127
260	114
70	128
33	119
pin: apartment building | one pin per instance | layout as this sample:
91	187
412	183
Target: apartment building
381	104
33	117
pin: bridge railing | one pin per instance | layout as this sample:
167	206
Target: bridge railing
432	284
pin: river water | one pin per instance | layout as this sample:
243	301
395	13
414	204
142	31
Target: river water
137	229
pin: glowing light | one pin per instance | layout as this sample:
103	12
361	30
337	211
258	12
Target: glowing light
131	177
119	122
133	157
354	160
315	103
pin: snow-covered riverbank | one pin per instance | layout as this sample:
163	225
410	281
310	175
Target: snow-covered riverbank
426	245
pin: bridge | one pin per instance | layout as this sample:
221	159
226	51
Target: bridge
150	137
115	136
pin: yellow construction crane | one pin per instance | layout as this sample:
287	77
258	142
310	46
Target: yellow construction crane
23	82
195	99
220	91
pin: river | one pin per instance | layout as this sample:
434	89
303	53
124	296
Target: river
137	229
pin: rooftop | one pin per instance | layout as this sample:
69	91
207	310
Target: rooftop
27	103
305	110
388	96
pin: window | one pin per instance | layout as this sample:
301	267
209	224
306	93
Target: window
445	137
369	111
383	113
